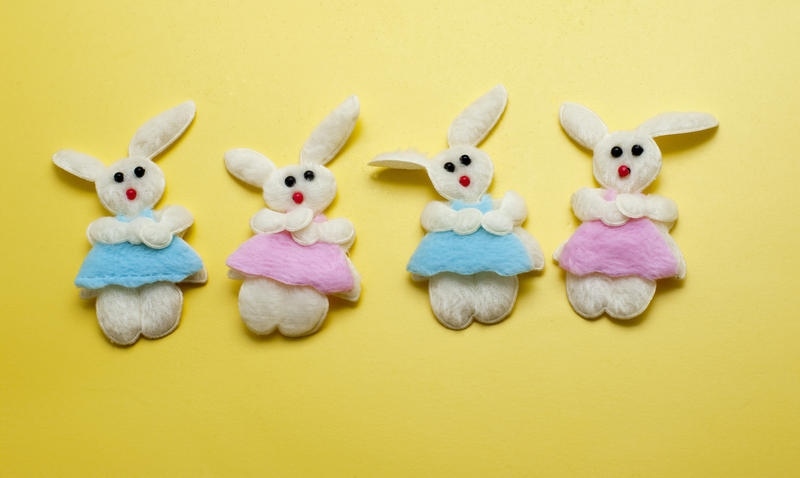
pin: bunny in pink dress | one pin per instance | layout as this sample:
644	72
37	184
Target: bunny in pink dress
623	246
298	257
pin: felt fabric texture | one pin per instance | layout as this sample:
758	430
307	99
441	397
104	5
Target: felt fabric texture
635	248
158	133
267	305
677	123
322	265
249	166
474	123
458	299
620	297
134	265
481	251
152	310
79	164
328	138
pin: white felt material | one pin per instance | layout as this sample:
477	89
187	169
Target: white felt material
625	297
409	159
582	124
267	305
677	123
158	133
621	298
477	120
156	233
80	164
588	204
152	310
328	138
463	173
457	299
249	166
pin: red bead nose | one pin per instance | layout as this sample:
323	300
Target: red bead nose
297	197
624	171
464	180
131	193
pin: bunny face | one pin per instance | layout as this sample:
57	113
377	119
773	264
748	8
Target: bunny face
310	186
130	185
626	161
462	172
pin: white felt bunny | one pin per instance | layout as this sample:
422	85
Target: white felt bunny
138	255
297	256
614	258
475	246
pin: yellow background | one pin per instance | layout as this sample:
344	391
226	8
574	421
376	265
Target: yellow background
703	384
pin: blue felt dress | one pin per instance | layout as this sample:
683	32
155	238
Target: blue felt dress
469	254
134	265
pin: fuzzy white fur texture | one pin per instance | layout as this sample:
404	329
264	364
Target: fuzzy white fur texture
267	305
152	310
593	294
487	297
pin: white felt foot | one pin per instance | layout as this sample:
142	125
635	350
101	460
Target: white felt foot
160	308
118	314
458	299
620	298
629	297
265	305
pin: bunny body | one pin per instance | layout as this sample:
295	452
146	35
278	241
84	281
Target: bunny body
475	246
298	256
137	256
623	245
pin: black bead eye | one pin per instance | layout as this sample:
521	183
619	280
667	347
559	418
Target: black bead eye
449	167
119	177
465	160
616	151
138	171
309	175
289	181
637	150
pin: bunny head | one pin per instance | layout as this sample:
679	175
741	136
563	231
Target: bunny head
627	161
135	183
308	184
461	172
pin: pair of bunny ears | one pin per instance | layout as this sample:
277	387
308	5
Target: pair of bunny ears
150	139
585	127
322	145
468	129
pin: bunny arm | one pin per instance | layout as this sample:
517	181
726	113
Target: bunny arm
588	204
335	231
110	230
438	216
657	208
508	212
267	221
168	222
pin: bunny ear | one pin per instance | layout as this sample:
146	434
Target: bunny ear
677	123
158	133
250	166
474	123
329	137
401	160
582	124
80	164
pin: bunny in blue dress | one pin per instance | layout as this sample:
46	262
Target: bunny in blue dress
475	246
137	256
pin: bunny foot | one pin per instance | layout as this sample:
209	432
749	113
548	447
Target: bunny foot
266	305
629	296
587	294
160	308
494	296
458	299
118	314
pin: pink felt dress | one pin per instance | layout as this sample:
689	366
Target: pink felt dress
322	265
636	248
